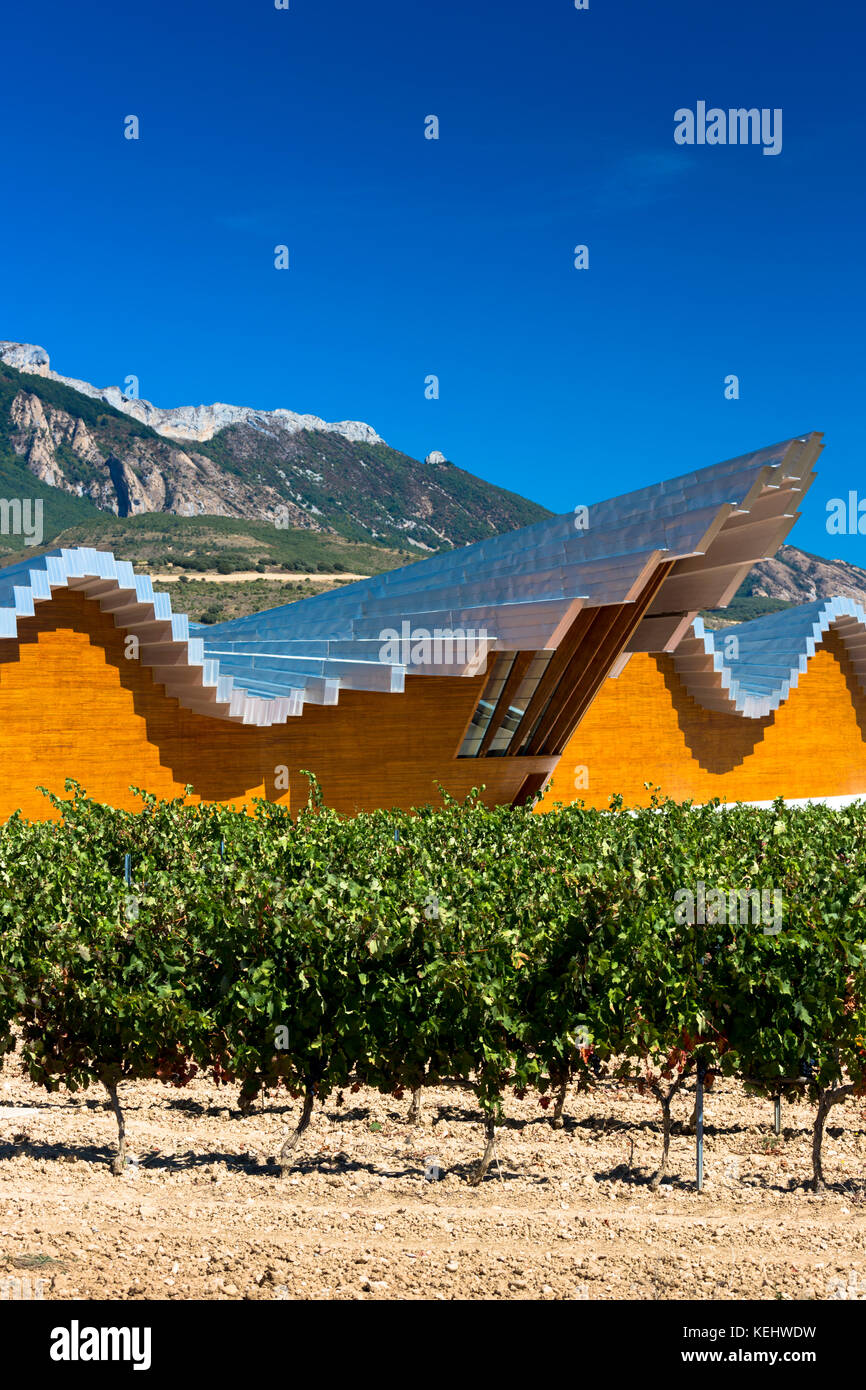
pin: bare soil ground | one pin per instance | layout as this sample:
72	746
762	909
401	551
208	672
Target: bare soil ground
562	1214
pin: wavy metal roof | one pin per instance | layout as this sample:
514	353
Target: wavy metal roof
750	668
524	589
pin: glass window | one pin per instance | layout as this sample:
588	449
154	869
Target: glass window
486	705
517	707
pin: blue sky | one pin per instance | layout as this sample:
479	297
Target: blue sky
411	257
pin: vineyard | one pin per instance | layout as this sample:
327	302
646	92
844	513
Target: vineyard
493	949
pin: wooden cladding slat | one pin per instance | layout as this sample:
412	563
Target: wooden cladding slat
509	690
533	783
614	640
575	677
594	675
549	681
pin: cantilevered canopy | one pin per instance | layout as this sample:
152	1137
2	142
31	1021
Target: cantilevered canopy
631	576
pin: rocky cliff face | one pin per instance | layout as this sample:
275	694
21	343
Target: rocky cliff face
143	476
26	357
128	457
798	577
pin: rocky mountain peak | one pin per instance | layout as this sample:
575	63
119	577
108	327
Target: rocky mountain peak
191	423
295	472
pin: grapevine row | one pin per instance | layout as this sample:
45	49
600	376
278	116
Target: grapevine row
492	947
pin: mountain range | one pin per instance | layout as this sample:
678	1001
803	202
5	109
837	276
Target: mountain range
127	457
234	488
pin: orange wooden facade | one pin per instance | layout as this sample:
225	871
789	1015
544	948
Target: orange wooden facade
72	705
645	727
